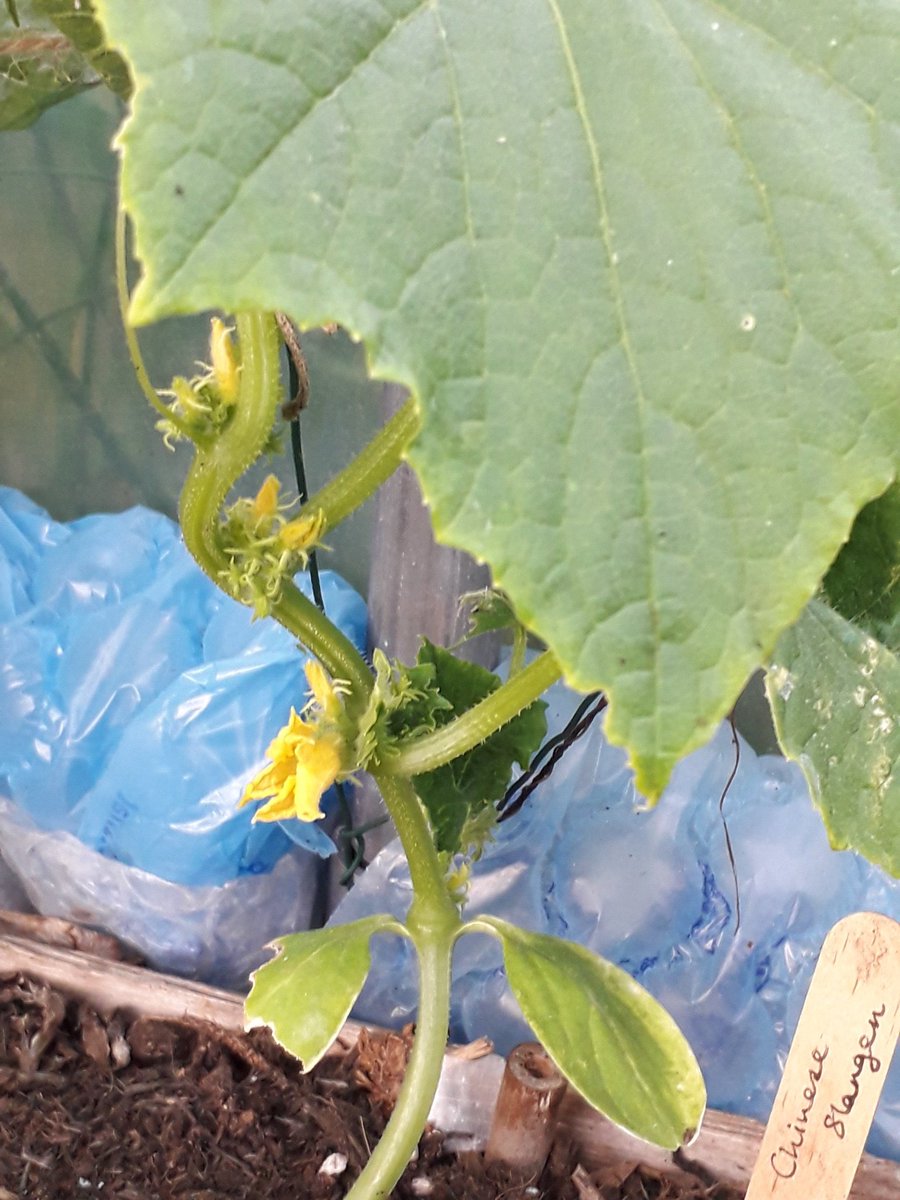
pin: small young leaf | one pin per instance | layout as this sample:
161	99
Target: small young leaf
489	611
57	53
474	781
38	69
305	993
609	1037
77	21
835	696
863	584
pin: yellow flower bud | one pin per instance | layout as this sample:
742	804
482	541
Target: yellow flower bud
266	502
225	366
303	532
326	692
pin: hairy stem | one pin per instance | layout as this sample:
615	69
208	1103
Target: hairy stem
410	1115
418	755
411	823
338	654
433	922
217	467
375	463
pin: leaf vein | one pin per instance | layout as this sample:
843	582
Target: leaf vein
625	336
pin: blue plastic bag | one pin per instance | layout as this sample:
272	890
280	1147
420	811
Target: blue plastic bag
136	700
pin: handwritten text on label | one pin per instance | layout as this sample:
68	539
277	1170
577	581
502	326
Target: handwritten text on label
784	1160
860	1062
841	1052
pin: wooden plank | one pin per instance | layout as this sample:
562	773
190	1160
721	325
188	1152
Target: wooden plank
108	986
415	584
726	1149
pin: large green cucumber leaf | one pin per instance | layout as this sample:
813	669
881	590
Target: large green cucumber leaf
304	994
637	262
835	695
863	583
609	1037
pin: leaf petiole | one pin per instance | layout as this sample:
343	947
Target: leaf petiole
365	474
416	756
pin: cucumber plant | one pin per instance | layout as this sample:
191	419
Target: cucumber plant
637	266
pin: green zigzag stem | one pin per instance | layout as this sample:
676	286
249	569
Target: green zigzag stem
433	919
416	756
217	467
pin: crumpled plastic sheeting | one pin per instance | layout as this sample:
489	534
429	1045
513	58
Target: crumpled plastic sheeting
653	891
214	933
13	896
136	700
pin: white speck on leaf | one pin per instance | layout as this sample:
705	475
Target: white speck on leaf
748	322
784	684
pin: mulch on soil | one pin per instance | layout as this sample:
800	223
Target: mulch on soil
154	1110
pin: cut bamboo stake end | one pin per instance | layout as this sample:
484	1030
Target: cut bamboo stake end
524	1119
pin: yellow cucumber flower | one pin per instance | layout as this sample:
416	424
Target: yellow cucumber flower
306	756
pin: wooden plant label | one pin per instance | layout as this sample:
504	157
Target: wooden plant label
836	1067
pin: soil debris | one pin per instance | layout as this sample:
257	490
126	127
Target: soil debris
96	1106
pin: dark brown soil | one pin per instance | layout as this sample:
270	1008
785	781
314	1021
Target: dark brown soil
150	1110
